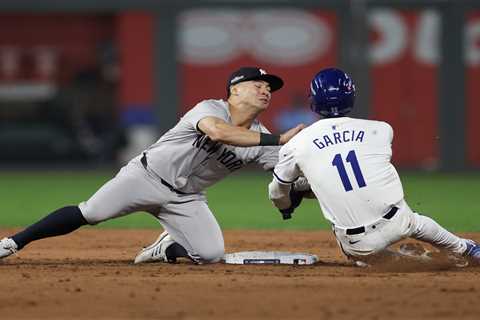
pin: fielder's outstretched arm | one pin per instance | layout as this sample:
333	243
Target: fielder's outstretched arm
221	131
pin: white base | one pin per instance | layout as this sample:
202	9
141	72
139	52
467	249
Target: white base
269	257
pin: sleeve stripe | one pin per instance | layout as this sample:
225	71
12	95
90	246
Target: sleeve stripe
284	181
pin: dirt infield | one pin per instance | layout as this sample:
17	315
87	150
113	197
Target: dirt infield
90	275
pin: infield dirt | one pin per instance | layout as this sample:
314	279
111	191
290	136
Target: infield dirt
90	275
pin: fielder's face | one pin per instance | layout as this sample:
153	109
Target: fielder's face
255	93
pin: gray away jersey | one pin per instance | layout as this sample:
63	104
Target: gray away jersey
188	160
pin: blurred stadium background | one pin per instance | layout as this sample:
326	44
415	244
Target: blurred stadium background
86	85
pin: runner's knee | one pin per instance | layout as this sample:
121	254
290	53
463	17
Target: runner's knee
421	226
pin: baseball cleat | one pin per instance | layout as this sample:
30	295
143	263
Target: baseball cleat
156	251
473	251
7	247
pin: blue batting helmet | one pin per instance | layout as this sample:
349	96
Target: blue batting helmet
332	93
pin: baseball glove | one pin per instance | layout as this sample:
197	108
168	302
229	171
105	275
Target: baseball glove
296	198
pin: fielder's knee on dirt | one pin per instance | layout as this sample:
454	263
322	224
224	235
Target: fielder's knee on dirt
211	254
90	212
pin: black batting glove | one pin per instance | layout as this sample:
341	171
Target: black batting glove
296	198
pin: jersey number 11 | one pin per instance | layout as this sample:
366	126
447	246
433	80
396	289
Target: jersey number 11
352	159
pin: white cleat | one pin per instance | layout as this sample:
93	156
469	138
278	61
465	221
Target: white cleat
156	251
7	247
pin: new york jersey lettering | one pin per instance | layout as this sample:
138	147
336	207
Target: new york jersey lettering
225	156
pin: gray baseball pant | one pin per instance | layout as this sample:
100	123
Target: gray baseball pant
187	218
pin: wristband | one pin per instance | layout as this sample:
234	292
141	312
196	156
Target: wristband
269	139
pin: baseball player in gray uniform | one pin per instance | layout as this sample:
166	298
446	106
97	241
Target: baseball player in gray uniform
212	140
347	164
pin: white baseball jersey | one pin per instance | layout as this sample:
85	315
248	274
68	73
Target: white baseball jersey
347	163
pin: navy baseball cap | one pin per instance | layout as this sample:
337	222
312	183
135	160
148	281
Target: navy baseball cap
254	73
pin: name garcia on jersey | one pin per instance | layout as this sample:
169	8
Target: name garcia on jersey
226	157
339	137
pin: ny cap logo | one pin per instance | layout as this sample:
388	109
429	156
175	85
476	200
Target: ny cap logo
262	71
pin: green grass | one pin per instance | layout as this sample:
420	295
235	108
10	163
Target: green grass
239	201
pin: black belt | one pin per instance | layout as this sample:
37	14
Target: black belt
143	160
389	215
